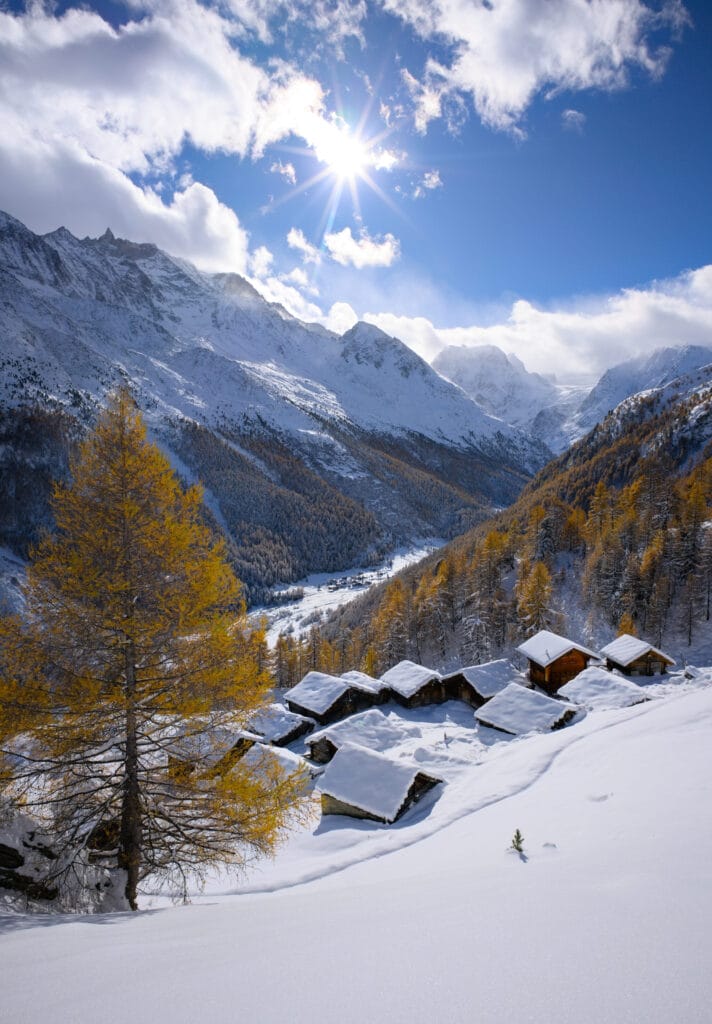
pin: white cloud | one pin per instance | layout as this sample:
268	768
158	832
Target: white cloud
579	343
340	318
573	120
362	252
87	111
384	159
193	224
285	171
428	100
300	279
260	261
430	181
296	239
276	290
507	51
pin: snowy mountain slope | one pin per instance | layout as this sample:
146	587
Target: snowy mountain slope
560	414
130	306
604	919
286	405
650	372
503	387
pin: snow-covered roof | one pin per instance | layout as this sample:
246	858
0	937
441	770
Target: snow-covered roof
275	721
362	681
406	678
626	648
596	688
261	756
208	745
372	729
545	647
368	780
518	710
489	678
317	691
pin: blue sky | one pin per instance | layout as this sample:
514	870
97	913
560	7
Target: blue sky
530	173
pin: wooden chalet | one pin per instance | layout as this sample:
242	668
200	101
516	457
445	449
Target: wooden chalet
377	689
635	657
518	710
414	686
361	783
278	726
553	659
476	684
215	752
373	729
326	698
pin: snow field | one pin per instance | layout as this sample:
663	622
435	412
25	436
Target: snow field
604	919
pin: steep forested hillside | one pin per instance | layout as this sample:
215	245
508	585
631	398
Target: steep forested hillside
615	530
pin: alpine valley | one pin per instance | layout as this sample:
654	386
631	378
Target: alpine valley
316	451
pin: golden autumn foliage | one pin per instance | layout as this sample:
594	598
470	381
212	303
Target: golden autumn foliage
134	655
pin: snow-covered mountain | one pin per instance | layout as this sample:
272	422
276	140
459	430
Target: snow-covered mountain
644	373
558	414
503	387
366	426
209	345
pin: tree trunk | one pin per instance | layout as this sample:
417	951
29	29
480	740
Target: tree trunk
130	836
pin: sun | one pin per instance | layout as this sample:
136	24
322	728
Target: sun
346	156
348	159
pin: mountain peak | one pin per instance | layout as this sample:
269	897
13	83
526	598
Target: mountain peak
59	235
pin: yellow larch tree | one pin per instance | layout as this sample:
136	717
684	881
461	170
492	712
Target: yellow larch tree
134	656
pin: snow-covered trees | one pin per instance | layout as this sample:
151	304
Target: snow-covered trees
125	683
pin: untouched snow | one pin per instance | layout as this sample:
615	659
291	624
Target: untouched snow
597	688
274	722
603	920
362	681
517	710
382	730
368	780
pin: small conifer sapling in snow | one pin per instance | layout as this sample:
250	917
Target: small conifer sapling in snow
518	842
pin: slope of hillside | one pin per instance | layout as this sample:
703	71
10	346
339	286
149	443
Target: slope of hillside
356	428
436	919
615	527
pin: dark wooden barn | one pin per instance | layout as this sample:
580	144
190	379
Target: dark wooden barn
414	686
326	698
364	784
554	660
635	657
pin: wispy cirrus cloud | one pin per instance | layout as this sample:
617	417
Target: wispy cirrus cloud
284	170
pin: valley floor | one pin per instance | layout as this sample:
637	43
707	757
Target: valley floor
605	918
